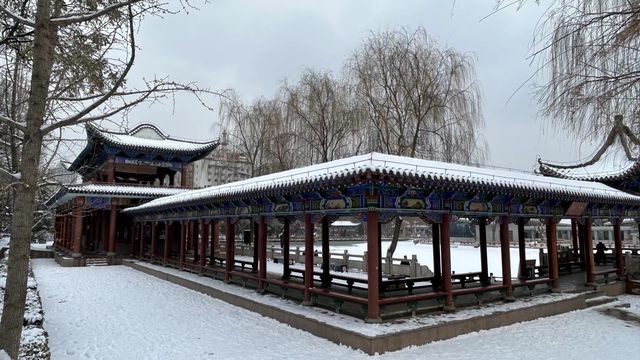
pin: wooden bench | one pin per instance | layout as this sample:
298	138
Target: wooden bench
464	278
605	274
285	285
478	292
531	283
338	297
351	281
406	283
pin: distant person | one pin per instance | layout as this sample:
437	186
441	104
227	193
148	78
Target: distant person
405	261
600	255
492	279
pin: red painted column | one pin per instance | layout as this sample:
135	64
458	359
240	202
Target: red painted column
204	236
506	258
308	259
183	231
552	253
193	236
229	248
326	255
143	225
588	253
521	249
373	268
215	239
77	226
574	238
286	273
105	231
617	238
262	253
437	262
167	241
132	238
63	232
154	239
254	264
445	243
484	263
581	237
112	227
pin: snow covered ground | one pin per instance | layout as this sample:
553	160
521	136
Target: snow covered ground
118	313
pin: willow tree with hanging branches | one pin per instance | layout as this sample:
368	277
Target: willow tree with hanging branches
421	99
589	57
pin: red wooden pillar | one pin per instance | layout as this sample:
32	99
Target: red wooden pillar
154	239
581	237
484	263
193	238
183	231
286	273
435	241
215	239
588	249
77	226
506	258
143	225
204	236
308	259
229	248
132	238
63	232
617	238
521	250
552	253
167	241
373	268
574	238
112	227
326	255
262	253
254	264
445	243
105	231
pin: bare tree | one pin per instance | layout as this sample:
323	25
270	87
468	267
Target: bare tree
249	130
75	58
589	62
321	107
421	98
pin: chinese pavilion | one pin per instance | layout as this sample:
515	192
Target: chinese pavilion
374	189
119	170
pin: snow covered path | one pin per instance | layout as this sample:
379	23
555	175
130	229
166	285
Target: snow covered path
118	313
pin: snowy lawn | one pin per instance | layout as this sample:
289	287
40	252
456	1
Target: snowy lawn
118	313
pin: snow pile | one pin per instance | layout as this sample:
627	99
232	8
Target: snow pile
34	342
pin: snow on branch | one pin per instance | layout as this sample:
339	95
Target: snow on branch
16	176
16	17
7	120
73	18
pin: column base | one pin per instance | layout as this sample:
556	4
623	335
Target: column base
590	284
375	320
556	290
306	303
449	308
111	254
76	255
510	298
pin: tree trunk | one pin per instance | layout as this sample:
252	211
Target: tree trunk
22	221
394	242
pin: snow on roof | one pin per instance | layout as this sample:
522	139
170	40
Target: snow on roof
111	190
399	165
147	136
611	165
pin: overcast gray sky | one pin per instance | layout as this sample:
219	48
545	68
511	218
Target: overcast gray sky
252	46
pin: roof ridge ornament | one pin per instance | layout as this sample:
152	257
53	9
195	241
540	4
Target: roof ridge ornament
619	129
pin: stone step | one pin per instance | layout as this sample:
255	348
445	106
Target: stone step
96	262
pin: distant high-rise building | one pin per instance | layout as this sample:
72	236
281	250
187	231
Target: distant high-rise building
220	167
